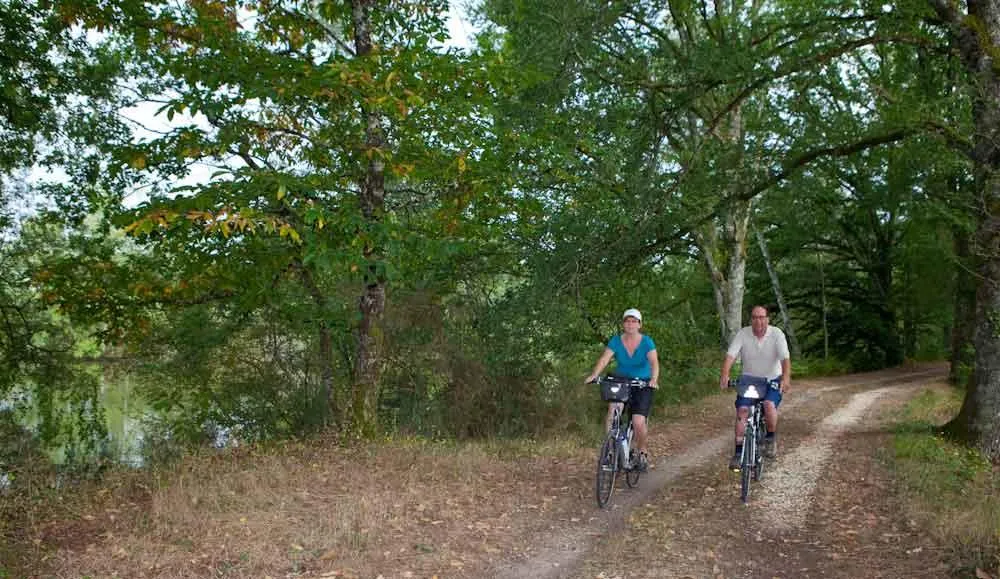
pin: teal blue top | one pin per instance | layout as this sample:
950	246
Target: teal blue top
636	365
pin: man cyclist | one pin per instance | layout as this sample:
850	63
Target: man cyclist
763	353
635	357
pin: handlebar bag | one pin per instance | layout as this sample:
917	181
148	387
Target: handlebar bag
615	389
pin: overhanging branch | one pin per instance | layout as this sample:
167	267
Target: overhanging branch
793	165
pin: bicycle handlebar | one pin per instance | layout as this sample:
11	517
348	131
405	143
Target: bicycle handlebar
735	382
634	382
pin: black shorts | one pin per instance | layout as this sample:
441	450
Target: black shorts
641	400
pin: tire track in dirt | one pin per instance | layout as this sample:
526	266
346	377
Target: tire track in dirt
559	554
797	472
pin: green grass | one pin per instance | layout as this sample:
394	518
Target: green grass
949	489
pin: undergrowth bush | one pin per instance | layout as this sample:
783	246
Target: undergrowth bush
808	366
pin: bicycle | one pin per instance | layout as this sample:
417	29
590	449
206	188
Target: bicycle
615	455
752	459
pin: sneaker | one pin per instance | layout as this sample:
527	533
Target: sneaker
734	462
643	462
770	447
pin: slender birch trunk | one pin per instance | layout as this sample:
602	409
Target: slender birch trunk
369	332
773	274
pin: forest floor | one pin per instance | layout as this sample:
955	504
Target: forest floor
826	507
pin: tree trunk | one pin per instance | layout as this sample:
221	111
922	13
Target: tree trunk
785	320
727	241
729	277
881	276
978	38
822	289
369	332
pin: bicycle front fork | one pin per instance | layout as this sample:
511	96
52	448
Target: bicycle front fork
625	448
751	436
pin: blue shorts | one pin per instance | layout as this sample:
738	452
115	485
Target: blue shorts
773	393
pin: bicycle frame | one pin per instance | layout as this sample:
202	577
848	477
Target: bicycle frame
752	459
624	462
756	428
612	458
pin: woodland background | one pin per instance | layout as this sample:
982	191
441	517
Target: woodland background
242	221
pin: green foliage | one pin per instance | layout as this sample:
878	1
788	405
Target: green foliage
37	71
863	259
339	166
584	159
43	378
448	379
807	366
217	371
650	132
56	105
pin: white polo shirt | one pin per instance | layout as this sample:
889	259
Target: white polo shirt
760	357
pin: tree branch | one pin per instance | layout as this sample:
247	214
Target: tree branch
794	164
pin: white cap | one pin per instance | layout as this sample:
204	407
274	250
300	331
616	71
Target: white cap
633	313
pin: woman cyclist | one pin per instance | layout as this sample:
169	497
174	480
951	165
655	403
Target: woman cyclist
635	357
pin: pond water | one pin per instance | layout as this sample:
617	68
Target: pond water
123	413
125	416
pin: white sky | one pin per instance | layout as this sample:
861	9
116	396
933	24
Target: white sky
458	25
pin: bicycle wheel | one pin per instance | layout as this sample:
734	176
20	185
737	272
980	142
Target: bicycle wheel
633	472
758	471
607	468
746	467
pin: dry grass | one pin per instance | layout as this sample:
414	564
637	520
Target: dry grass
309	509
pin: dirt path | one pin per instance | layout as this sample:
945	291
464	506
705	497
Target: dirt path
823	510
